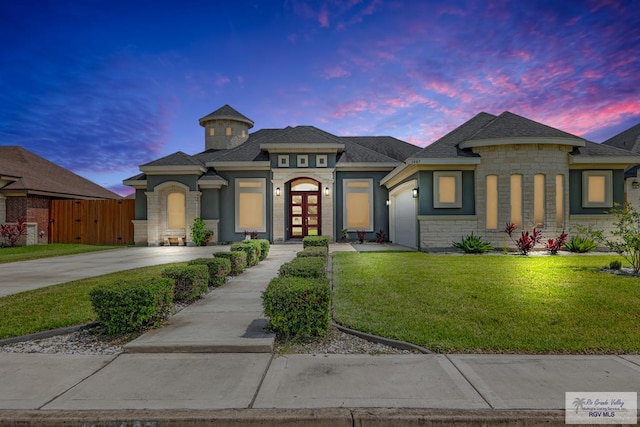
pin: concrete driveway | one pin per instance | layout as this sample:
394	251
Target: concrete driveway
26	275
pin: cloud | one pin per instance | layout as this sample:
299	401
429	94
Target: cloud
335	72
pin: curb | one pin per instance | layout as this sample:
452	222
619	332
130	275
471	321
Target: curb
329	417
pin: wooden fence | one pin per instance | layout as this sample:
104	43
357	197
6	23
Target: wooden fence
93	222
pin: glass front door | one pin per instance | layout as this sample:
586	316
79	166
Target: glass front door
304	214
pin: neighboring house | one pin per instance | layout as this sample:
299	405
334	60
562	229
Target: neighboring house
628	140
288	183
29	182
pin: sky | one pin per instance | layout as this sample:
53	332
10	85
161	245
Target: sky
101	87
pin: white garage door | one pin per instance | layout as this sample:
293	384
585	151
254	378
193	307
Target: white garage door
403	218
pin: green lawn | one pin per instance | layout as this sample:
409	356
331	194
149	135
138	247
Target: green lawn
489	303
22	253
67	304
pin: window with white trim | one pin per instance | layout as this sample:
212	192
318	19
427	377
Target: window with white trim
447	189
303	161
283	161
175	210
321	161
597	189
357	204
250	204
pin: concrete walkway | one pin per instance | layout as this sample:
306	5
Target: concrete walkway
184	374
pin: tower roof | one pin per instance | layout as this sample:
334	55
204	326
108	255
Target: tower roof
226	112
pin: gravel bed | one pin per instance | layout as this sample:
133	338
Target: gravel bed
81	342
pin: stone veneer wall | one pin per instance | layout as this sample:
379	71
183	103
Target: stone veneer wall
438	232
157	213
281	177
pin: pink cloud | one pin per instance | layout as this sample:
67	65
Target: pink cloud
323	18
222	81
592	74
335	72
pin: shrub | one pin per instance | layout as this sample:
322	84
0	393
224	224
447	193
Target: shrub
12	233
297	306
238	260
199	234
554	245
190	282
252	248
315	241
580	244
615	264
625	235
219	269
361	235
305	267
314	251
130	306
527	241
381	236
264	248
473	245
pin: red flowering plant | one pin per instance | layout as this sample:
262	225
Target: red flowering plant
554	245
527	241
11	233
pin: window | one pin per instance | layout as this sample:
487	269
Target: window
303	161
212	131
228	131
447	189
597	189
538	200
358	204
492	201
321	161
250	204
175	210
516	200
244	133
283	161
560	201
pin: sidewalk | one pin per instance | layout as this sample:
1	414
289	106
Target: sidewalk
185	374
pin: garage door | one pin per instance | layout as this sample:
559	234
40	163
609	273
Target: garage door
403	218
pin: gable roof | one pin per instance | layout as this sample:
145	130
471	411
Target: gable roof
30	173
627	140
226	112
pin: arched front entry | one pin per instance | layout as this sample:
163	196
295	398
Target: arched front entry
305	206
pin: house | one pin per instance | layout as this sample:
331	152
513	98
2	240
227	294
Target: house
628	140
284	184
29	182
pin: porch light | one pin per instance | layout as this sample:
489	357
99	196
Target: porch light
326	191
278	191
387	202
415	193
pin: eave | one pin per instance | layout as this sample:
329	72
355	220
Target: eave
249	166
140	184
274	147
413	165
622	161
173	170
364	166
573	142
212	183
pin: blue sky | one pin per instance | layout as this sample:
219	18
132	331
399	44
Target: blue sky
100	87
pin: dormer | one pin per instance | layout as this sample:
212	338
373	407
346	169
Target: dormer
225	128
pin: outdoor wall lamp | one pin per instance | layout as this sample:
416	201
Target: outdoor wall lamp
326	191
278	191
635	184
387	202
415	193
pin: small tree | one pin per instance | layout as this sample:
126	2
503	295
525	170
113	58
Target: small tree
199	233
625	240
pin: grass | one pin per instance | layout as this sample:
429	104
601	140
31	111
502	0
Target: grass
58	306
23	253
489	303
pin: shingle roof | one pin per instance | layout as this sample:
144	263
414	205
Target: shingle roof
36	174
628	139
447	146
226	112
509	125
387	145
595	149
176	159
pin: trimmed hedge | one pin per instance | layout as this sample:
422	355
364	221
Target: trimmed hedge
264	248
252	248
190	282
297	306
311	267
314	251
315	241
130	306
219	269
238	260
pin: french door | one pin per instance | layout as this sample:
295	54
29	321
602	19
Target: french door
304	214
